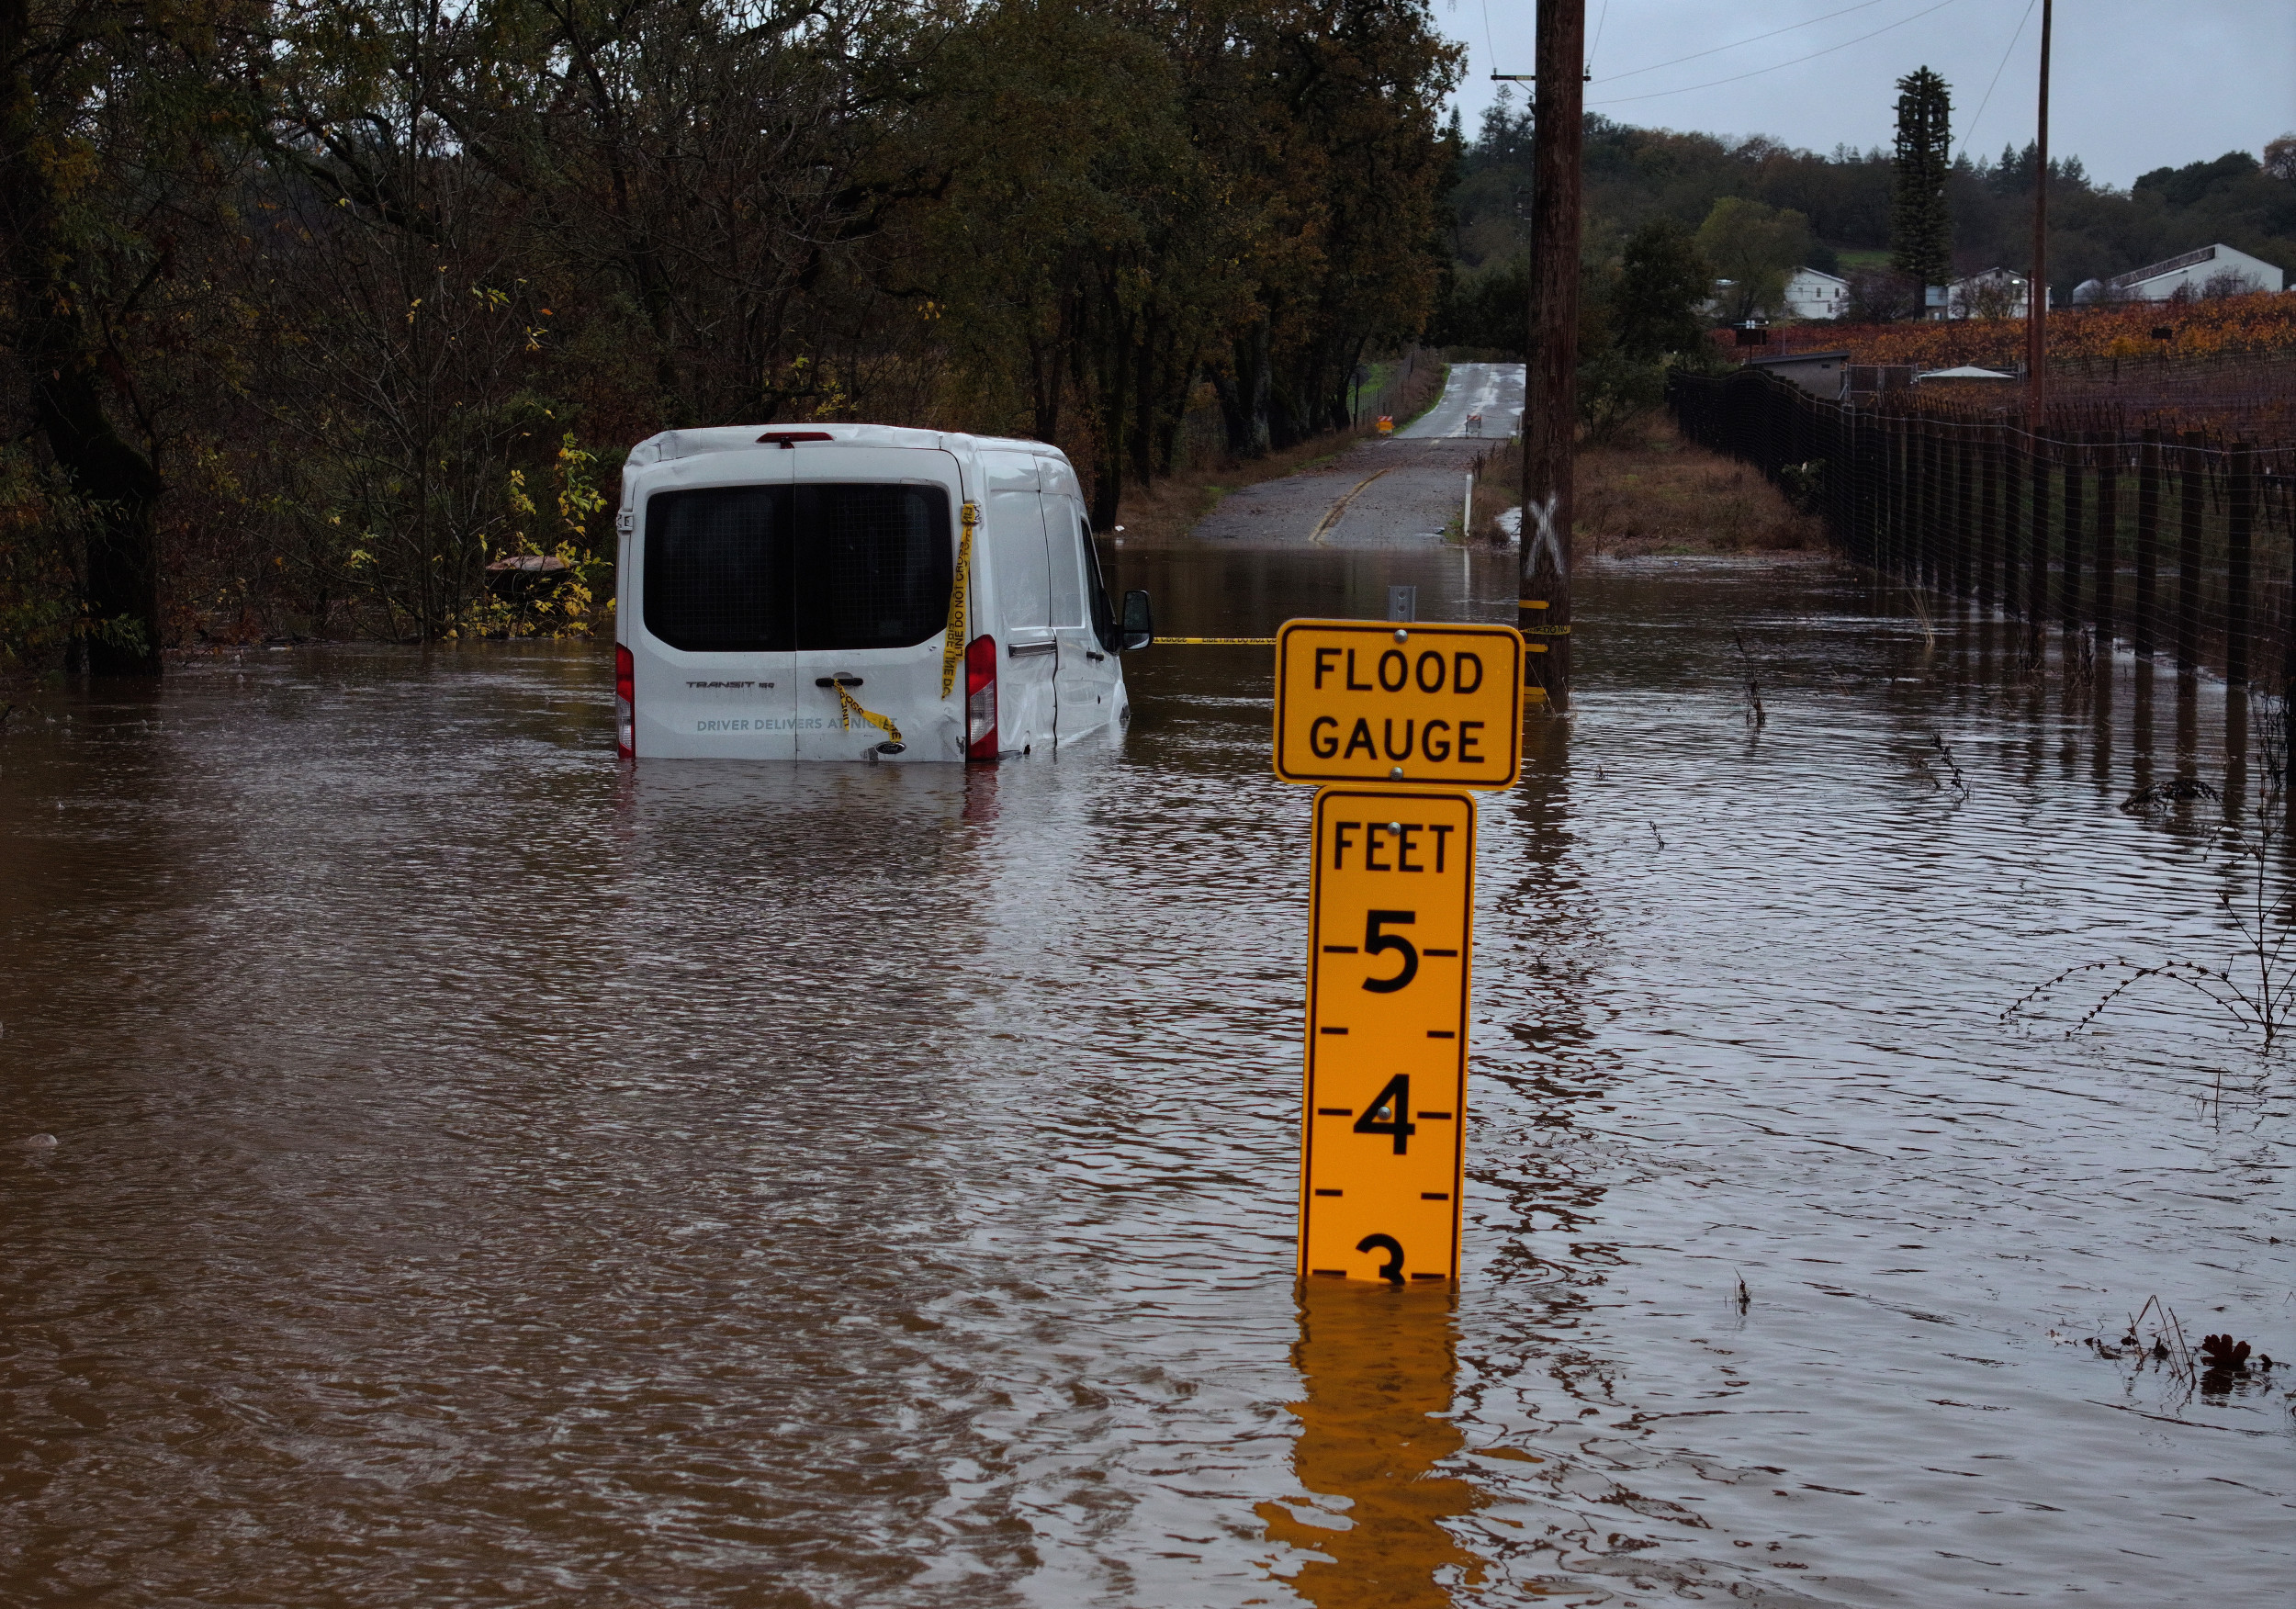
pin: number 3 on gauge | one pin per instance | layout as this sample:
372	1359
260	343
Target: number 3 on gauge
1375	942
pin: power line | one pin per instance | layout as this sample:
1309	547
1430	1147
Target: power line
1830	49
1600	23
1970	132
1774	33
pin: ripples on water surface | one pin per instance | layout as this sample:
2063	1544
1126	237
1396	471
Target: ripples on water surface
490	1176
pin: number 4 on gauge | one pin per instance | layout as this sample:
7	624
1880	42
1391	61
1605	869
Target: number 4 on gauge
1387	1112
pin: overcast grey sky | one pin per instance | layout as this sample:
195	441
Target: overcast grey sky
2134	84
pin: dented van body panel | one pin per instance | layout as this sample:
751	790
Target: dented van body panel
780	586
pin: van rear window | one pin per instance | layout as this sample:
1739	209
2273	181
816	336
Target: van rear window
717	568
766	570
872	565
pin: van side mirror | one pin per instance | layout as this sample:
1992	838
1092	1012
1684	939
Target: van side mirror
1139	629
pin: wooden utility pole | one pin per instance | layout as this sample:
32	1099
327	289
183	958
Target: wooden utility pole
2037	286
1550	402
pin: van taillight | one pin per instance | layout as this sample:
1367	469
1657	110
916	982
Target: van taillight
980	699
624	703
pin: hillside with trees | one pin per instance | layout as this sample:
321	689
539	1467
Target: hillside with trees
1846	201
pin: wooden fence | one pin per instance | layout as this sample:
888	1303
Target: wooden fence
2178	544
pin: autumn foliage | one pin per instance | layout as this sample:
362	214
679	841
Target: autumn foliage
2226	326
316	316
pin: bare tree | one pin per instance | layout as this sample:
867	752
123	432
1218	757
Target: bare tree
1882	296
1988	296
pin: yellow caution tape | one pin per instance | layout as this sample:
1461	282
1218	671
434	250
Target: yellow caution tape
1544	630
953	649
848	706
1248	641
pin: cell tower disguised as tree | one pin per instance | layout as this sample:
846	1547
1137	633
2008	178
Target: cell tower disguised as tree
1920	224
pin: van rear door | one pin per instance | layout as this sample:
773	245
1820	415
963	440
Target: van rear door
874	545
712	650
1028	658
1088	675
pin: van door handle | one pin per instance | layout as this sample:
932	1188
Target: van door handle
1096	658
836	681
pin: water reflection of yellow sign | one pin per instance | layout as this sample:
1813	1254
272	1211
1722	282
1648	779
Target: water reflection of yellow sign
1433	705
1389	937
1378	1367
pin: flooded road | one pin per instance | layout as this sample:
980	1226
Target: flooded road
488	1175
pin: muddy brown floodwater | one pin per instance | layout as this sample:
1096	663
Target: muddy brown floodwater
487	1175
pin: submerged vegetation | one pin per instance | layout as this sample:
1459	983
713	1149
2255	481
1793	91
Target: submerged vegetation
2252	988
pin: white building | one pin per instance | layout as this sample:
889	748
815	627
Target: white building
2216	270
1995	293
1991	295
1813	294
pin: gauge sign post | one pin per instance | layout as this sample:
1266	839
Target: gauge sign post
1393	720
1390	937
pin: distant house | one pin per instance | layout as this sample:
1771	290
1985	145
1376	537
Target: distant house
1995	293
1813	294
2217	270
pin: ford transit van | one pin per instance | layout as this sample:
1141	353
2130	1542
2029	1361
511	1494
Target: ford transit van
860	592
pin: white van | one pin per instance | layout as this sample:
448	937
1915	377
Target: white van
859	592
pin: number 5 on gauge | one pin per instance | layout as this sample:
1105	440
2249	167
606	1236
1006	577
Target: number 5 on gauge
1390	937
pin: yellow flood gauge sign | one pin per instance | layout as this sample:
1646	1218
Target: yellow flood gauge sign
1439	706
1390	939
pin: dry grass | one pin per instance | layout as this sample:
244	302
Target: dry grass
1652	492
1493	498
